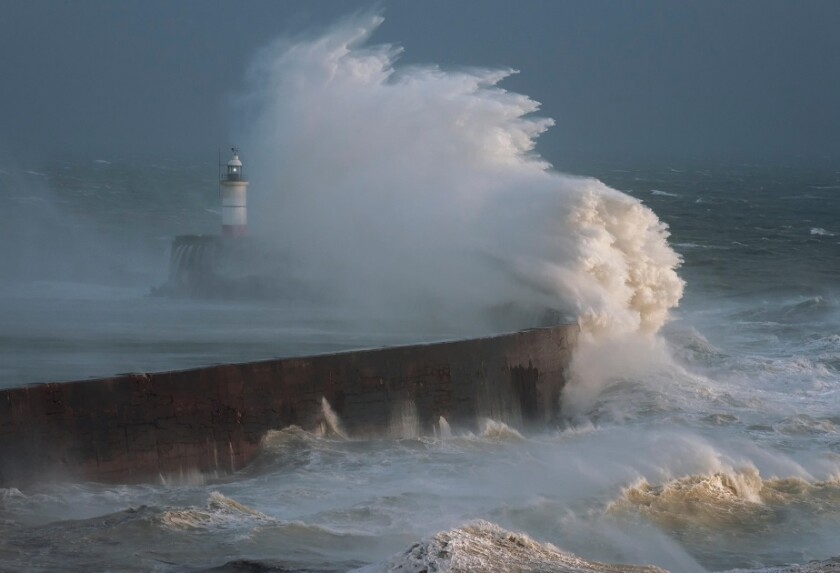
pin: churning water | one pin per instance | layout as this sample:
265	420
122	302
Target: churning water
699	437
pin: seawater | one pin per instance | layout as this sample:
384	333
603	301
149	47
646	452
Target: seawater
726	456
720	450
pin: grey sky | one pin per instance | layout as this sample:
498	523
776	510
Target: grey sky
637	80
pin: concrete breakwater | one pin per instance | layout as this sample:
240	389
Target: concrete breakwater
214	267
139	427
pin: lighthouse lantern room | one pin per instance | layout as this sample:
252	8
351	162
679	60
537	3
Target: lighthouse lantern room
234	190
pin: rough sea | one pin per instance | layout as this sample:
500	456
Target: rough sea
728	457
713	446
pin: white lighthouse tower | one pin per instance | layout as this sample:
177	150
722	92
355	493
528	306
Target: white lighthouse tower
234	188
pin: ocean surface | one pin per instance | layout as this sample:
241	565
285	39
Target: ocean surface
724	456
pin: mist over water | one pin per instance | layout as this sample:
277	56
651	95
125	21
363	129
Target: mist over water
703	437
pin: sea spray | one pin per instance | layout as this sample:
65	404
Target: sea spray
404	422
414	194
331	420
490	429
445	429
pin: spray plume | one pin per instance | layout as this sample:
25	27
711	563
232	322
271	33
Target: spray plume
416	191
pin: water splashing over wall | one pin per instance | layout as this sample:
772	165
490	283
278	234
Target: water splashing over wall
415	193
331	420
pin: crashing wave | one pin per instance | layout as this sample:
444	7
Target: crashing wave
221	511
415	194
420	190
483	547
330	422
737	501
499	431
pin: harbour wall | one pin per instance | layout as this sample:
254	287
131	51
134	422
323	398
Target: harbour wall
147	427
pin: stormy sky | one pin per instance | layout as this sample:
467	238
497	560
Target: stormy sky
650	80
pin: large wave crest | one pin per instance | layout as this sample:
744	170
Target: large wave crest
416	192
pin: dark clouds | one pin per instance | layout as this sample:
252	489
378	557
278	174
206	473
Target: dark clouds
640	80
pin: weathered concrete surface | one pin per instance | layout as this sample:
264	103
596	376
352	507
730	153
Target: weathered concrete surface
142	426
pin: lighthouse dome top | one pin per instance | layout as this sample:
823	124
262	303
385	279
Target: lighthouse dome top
234	168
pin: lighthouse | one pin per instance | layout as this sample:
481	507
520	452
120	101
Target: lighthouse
234	188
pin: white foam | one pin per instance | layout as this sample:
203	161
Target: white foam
417	192
331	419
499	431
221	511
403	422
482	546
445	430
